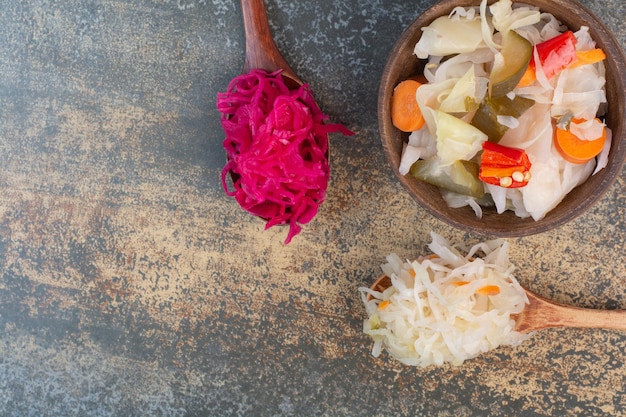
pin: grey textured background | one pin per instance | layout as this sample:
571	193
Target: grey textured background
131	285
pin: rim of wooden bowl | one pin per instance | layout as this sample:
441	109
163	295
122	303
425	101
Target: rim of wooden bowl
402	64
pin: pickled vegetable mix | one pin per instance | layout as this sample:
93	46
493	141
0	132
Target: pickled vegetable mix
276	144
512	95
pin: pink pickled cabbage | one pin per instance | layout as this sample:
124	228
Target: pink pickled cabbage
276	144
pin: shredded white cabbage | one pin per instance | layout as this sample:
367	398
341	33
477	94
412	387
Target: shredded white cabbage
437	70
487	28
444	308
508	121
603	158
505	17
587	130
459	12
421	145
456	200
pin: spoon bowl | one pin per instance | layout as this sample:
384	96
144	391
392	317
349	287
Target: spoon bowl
542	313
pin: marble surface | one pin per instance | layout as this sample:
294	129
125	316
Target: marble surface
131	285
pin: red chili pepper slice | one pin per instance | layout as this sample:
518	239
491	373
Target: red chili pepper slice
504	166
556	54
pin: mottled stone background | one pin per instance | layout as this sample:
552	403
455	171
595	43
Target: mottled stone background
131	285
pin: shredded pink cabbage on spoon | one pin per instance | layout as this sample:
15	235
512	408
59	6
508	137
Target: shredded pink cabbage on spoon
277	149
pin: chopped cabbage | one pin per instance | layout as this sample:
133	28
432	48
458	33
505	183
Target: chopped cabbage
551	181
421	146
584	41
445	36
603	158
430	96
534	134
579	91
437	71
587	130
468	88
435	312
456	139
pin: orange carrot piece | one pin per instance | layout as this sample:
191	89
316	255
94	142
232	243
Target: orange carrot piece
383	304
405	112
488	290
528	78
576	150
588	57
412	272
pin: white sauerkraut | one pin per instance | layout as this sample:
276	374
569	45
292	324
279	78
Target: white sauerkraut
446	308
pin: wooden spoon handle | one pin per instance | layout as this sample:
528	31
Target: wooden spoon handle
261	50
542	313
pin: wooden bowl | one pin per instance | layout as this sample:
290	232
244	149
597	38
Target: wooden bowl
402	64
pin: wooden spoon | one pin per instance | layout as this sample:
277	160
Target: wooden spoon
261	50
542	313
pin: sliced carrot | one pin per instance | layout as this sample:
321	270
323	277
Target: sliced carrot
412	272
576	150
405	112
488	290
528	78
590	56
383	304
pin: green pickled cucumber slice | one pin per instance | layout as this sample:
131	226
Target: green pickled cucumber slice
460	177
486	117
510	64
